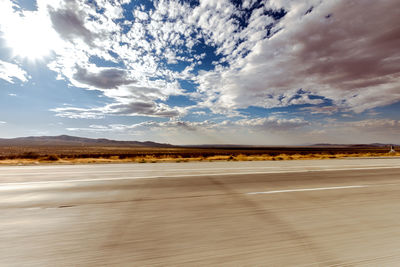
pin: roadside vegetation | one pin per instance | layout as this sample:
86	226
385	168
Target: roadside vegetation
82	155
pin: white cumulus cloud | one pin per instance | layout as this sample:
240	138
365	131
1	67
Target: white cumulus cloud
10	71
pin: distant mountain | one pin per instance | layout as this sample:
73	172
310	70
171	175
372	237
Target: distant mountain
353	145
228	146
219	146
66	140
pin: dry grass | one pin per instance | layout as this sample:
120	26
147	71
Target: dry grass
15	155
32	159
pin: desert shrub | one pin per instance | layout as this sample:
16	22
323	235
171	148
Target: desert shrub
51	158
29	155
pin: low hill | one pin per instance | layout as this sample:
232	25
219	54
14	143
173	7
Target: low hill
353	145
73	141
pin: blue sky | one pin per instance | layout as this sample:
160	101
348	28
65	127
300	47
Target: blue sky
270	72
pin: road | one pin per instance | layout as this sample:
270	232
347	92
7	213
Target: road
286	213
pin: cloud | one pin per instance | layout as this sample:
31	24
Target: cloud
104	78
2	122
144	108
69	24
380	125
256	131
271	124
375	130
9	72
156	38
79	113
336	51
132	108
321	110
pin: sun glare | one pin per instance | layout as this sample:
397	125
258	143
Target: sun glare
30	37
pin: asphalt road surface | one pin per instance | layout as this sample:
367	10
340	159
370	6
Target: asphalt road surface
291	213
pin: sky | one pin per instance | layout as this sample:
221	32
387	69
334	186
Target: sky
272	72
